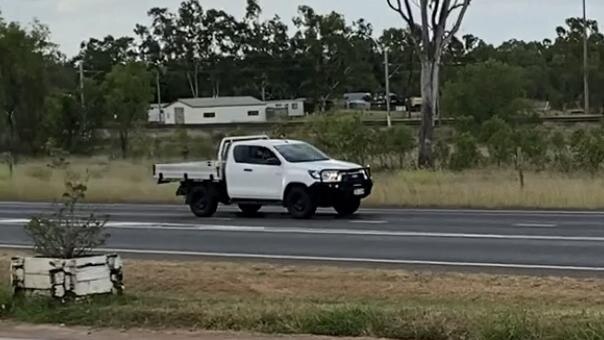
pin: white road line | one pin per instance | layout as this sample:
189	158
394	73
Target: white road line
345	232
340	259
485	212
368	222
535	225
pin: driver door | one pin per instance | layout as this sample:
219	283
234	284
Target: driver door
255	173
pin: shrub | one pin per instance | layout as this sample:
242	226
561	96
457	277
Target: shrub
466	153
442	153
498	138
344	136
562	152
65	234
399	141
533	144
589	149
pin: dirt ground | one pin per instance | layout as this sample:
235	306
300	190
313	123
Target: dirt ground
13	331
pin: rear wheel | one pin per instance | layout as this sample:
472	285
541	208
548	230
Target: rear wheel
249	209
203	202
300	203
347	206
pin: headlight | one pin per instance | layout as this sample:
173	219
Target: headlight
330	176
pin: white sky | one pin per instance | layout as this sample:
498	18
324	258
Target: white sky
73	21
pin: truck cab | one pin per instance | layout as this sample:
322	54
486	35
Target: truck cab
253	172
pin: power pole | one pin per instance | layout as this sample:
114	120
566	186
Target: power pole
83	126
160	109
585	61
387	75
82	83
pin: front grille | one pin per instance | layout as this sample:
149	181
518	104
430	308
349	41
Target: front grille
353	177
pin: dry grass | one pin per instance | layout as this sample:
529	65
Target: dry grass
488	188
188	281
334	301
128	181
108	181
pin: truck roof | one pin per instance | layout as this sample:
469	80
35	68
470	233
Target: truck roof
269	142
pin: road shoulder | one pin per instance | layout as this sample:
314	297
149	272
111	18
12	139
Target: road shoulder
12	331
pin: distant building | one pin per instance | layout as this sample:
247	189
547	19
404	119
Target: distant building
156	113
220	110
285	108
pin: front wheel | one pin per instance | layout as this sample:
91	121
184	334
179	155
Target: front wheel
203	202
300	203
249	209
347	206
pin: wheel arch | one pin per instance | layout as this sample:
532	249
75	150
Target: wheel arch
291	186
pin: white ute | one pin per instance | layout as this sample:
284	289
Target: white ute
256	171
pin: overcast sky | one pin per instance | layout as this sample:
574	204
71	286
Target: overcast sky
72	21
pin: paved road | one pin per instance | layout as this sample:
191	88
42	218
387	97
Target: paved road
535	242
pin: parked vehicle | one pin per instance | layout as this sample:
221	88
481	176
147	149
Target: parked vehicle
256	171
357	100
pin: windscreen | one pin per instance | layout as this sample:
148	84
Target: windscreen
300	153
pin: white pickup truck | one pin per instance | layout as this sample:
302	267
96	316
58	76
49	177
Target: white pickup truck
256	171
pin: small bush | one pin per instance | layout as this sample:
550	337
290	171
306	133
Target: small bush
65	234
498	138
589	149
466	153
562	152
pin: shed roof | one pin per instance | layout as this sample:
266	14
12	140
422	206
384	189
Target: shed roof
221	101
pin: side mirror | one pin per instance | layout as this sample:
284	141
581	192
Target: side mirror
273	161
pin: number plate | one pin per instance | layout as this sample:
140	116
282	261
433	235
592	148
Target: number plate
359	192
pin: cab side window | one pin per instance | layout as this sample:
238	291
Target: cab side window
258	155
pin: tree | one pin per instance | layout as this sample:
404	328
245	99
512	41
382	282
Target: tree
63	120
99	56
431	36
482	91
127	95
191	40
24	83
334	54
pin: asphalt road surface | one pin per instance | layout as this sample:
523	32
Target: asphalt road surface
518	241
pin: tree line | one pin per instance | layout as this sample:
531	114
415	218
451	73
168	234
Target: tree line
196	51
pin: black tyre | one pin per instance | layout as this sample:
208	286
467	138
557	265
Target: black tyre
249	209
300	203
347	206
203	202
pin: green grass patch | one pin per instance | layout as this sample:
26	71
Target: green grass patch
292	316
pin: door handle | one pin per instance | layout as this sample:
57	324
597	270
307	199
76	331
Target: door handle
248	170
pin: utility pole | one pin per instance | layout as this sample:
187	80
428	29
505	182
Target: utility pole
160	109
585	61
84	124
82	83
387	75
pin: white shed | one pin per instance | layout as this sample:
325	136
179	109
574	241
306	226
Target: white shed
156	113
293	107
220	110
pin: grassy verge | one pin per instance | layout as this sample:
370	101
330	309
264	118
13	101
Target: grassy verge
128	181
330	301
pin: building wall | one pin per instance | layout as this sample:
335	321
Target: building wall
222	115
154	115
295	108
